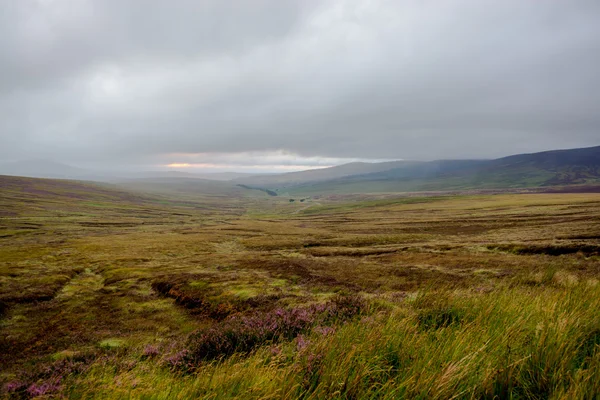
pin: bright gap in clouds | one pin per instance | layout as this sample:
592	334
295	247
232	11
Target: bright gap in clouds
242	168
267	161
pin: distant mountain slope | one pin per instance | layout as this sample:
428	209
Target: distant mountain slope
549	168
52	169
93	203
560	167
35	196
213	176
42	169
588	156
316	175
187	186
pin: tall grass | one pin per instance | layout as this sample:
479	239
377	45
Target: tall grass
516	342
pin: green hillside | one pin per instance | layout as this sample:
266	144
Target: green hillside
553	168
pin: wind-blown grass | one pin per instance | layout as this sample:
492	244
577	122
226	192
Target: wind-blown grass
516	342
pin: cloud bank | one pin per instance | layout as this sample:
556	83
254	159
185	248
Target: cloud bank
305	83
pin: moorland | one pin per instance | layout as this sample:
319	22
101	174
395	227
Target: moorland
128	292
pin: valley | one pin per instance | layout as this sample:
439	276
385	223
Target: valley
112	293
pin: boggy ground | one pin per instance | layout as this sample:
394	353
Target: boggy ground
110	294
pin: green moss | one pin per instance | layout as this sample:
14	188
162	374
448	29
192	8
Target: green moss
198	284
64	355
111	343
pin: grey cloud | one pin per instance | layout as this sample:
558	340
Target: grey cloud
130	81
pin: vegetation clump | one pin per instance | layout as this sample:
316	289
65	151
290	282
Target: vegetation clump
439	318
242	334
195	302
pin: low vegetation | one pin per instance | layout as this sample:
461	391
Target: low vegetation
111	294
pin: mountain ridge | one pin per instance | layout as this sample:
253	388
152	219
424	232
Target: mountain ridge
548	168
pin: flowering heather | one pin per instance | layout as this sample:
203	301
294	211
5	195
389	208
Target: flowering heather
21	389
245	333
312	369
46	379
325	330
179	360
301	343
35	390
15	386
275	351
150	351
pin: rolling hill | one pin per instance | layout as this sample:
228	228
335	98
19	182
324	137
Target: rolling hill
43	169
66	199
550	168
318	175
211	176
55	170
21	196
187	186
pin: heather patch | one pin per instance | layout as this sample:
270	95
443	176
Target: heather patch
242	334
47	379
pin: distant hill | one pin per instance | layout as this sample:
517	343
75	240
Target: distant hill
189	186
52	169
35	196
316	175
550	168
42	169
97	201
213	176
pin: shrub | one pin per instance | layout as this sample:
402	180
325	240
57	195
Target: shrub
47	379
245	333
150	351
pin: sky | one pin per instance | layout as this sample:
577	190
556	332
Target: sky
272	85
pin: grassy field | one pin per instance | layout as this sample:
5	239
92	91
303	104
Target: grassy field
112	294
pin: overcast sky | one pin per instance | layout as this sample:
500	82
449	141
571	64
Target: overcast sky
289	84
